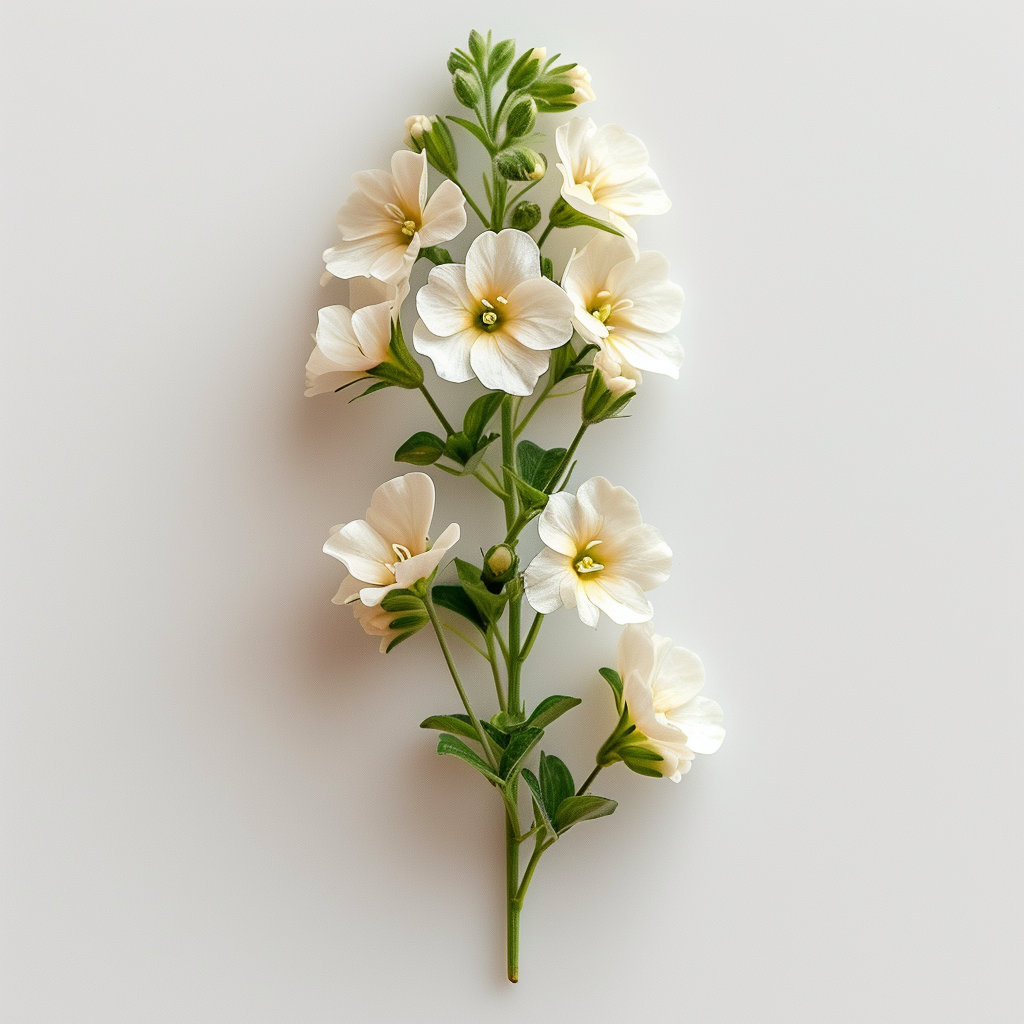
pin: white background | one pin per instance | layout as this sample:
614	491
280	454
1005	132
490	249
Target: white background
219	806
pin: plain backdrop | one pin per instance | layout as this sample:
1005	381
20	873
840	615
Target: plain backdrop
218	806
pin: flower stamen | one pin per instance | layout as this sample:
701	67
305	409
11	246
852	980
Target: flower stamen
409	228
401	552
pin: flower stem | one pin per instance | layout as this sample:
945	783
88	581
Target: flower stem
437	410
532	635
485	742
590	779
513	907
567	457
469	199
493	658
544	235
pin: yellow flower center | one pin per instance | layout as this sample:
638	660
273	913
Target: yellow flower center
585	561
409	228
602	307
490	319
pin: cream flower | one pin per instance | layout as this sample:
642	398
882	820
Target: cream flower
415	126
616	378
374	620
495	318
579	78
388	220
626	305
390	547
660	686
605	174
600	556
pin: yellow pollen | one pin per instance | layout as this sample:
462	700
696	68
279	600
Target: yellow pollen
490	318
409	228
602	312
587	564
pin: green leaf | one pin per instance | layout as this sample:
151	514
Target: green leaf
582	808
515	753
547	268
451	723
398	639
498	735
489	605
379	386
402	601
556	782
451	745
533	499
455	599
436	254
478	48
475	130
500	58
538	800
480	413
537	465
422	449
614	680
551	708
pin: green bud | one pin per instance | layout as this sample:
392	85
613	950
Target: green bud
440	148
477	47
500	58
521	164
526	216
500	564
467	92
456	62
524	71
601	402
521	118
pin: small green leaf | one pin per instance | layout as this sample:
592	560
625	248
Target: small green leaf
402	601
538	800
581	808
551	708
451	723
379	386
489	605
455	599
500	58
515	753
614	680
537	465
480	413
452	745
556	782
547	268
478	48
436	254
422	449
533	499
498	735
476	131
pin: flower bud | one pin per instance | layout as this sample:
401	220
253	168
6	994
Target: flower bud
527	68
526	216
608	390
440	147
467	92
521	164
579	78
415	128
456	62
500	564
521	118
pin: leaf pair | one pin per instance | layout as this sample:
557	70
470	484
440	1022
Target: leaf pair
465	448
555	803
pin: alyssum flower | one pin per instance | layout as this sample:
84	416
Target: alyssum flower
605	174
388	220
600	556
625	305
495	318
664	722
390	548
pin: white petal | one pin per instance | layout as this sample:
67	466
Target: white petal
450	356
364	551
571	137
496	263
701	721
372	326
619	597
445	303
420	566
444	216
657	302
502	364
642	195
378	186
544	579
613	506
539	314
357	258
590	270
658	353
336	338
619	155
394	264
681	675
361	216
323	375
639	554
635	652
400	511
410	174
565	526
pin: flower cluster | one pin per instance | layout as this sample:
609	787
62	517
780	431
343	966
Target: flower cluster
503	318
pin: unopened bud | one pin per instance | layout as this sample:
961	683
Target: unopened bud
500	565
415	127
467	92
521	164
522	117
526	216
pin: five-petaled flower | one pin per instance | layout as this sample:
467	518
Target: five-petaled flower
605	175
600	556
496	318
390	547
660	687
626	305
388	220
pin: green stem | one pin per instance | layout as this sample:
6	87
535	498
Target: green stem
590	779
513	907
469	199
515	613
508	458
491	487
567	457
437	410
493	658
544	235
538	851
532	635
537	403
485	742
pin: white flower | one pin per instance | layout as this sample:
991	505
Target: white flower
600	556
615	378
626	305
605	174
579	78
350	341
390	547
495	318
660	684
388	220
374	620
415	126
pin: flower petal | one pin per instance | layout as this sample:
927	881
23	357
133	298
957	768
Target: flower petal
450	356
364	551
444	216
635	652
502	364
701	721
639	554
372	326
619	597
539	314
445	303
613	507
378	186
356	258
362	215
410	174
400	511
657	302
565	525
659	353
324	375
544	579
634	196
496	263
